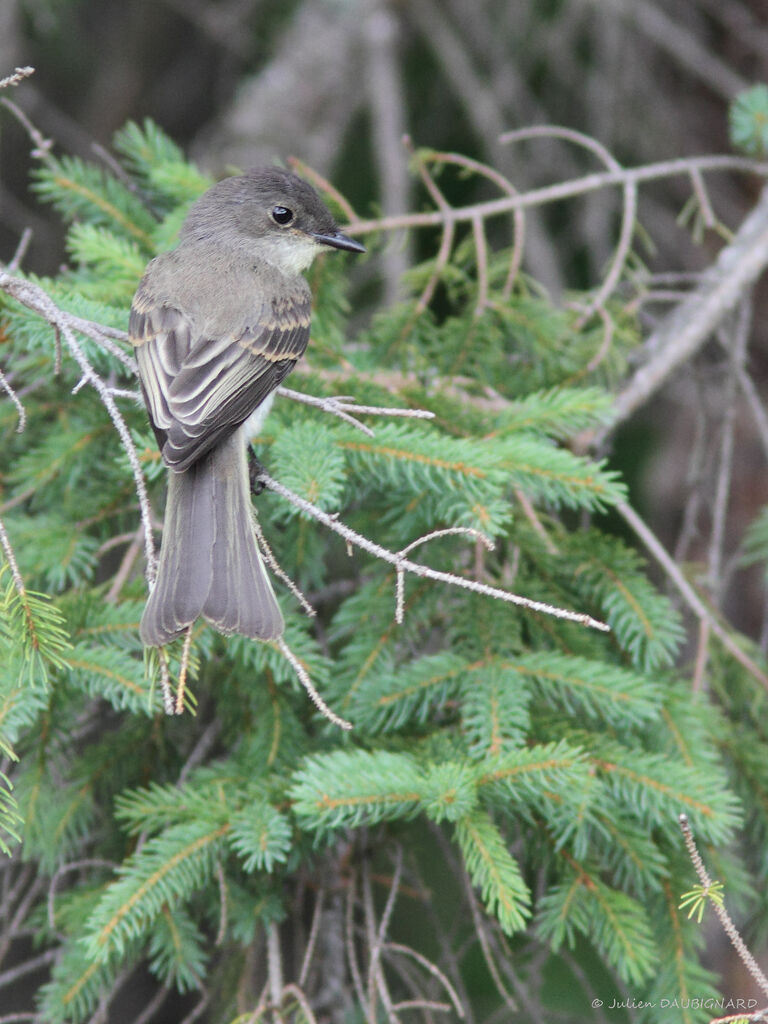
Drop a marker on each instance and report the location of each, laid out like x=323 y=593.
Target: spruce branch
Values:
x=403 y=565
x=719 y=907
x=37 y=299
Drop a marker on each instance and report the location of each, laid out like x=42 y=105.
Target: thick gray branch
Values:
x=681 y=334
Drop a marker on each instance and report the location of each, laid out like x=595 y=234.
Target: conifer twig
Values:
x=402 y=564
x=38 y=300
x=19 y=74
x=562 y=190
x=6 y=386
x=343 y=405
x=277 y=569
x=309 y=686
x=722 y=914
x=449 y=531
x=629 y=212
x=183 y=669
x=165 y=682
x=13 y=565
x=21 y=251
x=686 y=591
x=291 y=989
x=314 y=931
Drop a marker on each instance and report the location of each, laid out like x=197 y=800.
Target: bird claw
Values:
x=255 y=469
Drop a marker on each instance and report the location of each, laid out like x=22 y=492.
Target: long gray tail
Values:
x=210 y=564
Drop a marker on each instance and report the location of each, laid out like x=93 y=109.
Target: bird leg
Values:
x=255 y=468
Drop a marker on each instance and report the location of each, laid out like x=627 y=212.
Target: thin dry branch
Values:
x=35 y=298
x=308 y=685
x=6 y=386
x=722 y=914
x=686 y=591
x=19 y=74
x=403 y=564
x=682 y=333
x=343 y=405
x=562 y=190
x=629 y=210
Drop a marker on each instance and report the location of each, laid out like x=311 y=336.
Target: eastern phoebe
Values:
x=217 y=324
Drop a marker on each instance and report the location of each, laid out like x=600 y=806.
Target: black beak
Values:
x=339 y=241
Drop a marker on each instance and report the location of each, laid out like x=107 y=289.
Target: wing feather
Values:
x=198 y=388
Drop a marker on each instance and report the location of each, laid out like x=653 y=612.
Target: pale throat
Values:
x=290 y=253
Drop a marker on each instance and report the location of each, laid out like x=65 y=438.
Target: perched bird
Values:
x=217 y=323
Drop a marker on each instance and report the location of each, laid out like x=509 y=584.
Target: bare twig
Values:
x=36 y=299
x=308 y=685
x=314 y=931
x=277 y=569
x=446 y=240
x=722 y=493
x=6 y=387
x=42 y=148
x=183 y=669
x=165 y=682
x=722 y=914
x=296 y=993
x=126 y=564
x=21 y=251
x=450 y=531
x=388 y=125
x=274 y=965
x=481 y=262
x=19 y=74
x=629 y=205
x=77 y=865
x=691 y=322
x=377 y=983
x=405 y=565
x=562 y=190
x=354 y=966
x=686 y=591
x=343 y=405
x=13 y=565
x=433 y=969
x=504 y=185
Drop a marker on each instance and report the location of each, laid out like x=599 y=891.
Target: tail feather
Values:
x=210 y=564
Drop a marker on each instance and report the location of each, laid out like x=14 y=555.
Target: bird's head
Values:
x=267 y=213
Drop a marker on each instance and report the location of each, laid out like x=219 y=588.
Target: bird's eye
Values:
x=282 y=215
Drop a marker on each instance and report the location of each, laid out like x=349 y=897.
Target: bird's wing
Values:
x=199 y=389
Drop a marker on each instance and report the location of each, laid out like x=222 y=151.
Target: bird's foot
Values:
x=255 y=468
